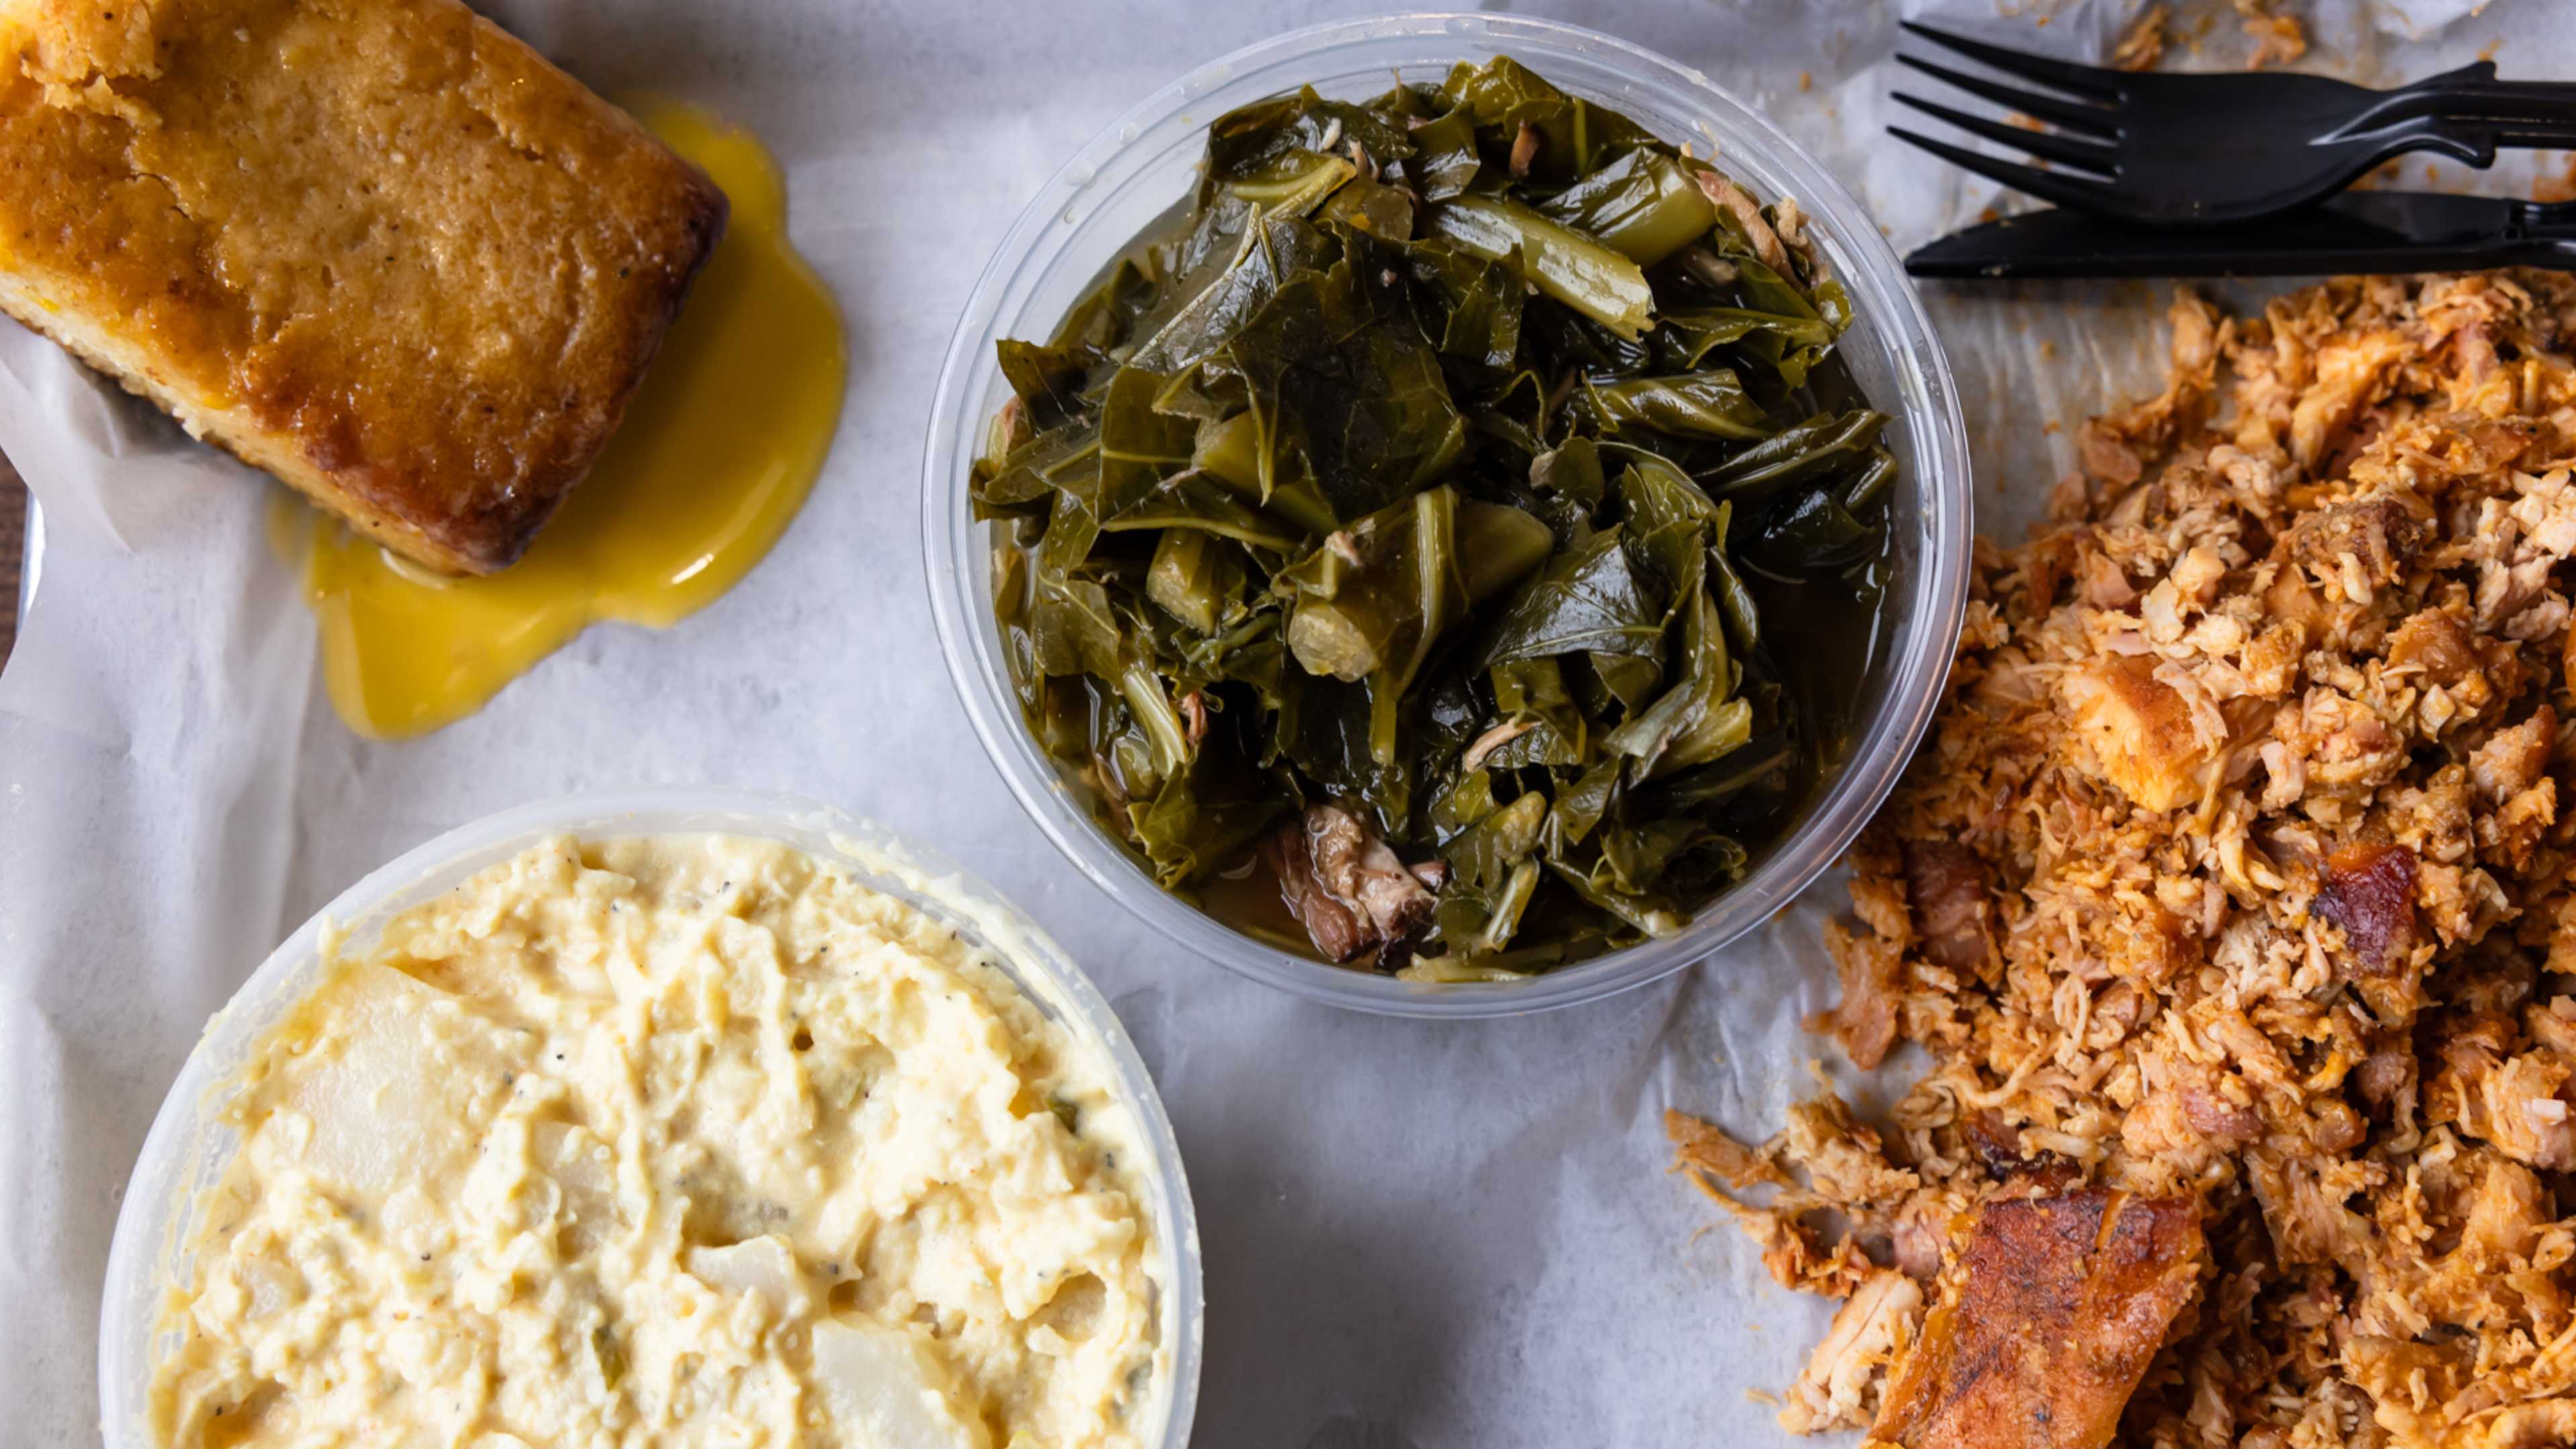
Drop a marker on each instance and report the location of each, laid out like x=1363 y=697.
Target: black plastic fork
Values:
x=2182 y=149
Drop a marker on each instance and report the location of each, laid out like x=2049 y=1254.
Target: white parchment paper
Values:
x=1416 y=1235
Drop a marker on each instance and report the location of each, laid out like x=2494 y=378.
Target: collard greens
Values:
x=1452 y=545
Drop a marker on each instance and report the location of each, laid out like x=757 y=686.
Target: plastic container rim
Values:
x=151 y=1218
x=1924 y=612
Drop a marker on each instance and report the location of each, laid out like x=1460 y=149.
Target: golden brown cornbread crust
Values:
x=377 y=247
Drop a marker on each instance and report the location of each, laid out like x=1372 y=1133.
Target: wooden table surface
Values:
x=13 y=545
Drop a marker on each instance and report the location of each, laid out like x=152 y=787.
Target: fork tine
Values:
x=2072 y=191
x=2064 y=150
x=2083 y=80
x=2074 y=115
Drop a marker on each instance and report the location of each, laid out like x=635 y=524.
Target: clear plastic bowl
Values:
x=1131 y=174
x=188 y=1146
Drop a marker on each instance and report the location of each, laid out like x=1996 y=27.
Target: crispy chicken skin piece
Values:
x=2369 y=891
x=2141 y=731
x=382 y=250
x=1945 y=885
x=2045 y=1323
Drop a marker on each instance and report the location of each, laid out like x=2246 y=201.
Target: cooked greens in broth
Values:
x=1453 y=547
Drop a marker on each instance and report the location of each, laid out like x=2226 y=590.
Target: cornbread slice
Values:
x=377 y=247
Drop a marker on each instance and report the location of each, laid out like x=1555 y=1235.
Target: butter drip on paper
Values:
x=717 y=452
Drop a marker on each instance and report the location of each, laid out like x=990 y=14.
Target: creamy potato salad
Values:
x=677 y=1141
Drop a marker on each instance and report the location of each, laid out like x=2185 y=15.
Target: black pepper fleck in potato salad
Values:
x=1453 y=546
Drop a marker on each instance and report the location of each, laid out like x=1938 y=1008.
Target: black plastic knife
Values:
x=2358 y=231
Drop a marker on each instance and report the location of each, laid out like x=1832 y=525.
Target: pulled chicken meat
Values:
x=2232 y=906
